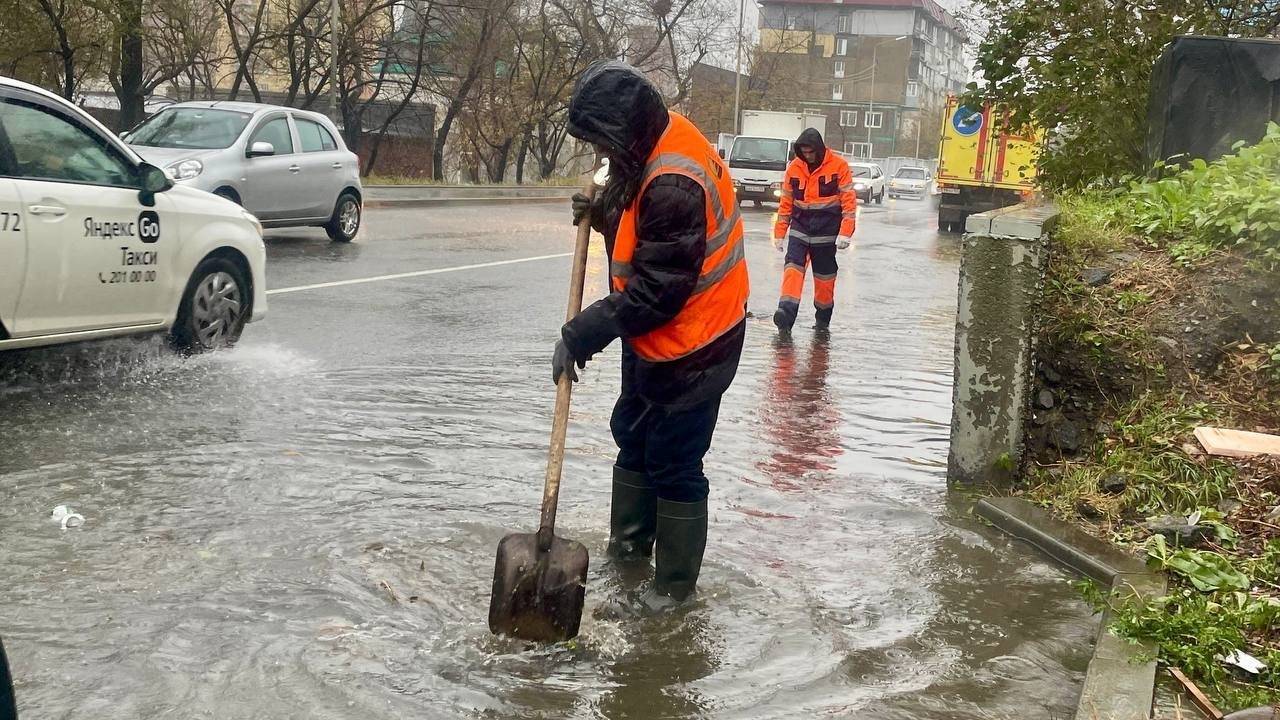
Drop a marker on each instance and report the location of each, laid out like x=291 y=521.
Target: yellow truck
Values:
x=983 y=163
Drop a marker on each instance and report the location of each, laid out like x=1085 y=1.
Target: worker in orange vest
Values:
x=678 y=293
x=820 y=208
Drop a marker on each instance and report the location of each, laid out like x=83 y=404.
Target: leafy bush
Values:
x=1233 y=201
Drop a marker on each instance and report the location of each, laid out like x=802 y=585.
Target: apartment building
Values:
x=879 y=69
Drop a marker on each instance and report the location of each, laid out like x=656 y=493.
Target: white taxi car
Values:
x=95 y=242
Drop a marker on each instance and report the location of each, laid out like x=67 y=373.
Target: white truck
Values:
x=758 y=157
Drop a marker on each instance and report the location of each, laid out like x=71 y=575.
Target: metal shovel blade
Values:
x=538 y=596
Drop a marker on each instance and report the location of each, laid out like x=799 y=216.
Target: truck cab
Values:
x=757 y=165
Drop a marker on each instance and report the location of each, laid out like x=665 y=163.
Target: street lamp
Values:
x=737 y=69
x=334 y=111
x=871 y=101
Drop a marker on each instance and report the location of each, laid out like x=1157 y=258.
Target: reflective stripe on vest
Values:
x=672 y=163
x=718 y=301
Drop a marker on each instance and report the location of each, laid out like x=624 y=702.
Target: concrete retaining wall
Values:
x=1001 y=276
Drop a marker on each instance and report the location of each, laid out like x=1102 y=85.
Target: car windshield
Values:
x=911 y=174
x=191 y=128
x=860 y=171
x=760 y=150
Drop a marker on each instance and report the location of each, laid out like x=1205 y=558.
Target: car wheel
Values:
x=345 y=222
x=880 y=198
x=214 y=307
x=228 y=194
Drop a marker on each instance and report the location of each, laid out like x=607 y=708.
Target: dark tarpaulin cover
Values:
x=1208 y=93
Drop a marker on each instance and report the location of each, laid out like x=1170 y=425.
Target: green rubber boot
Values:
x=632 y=516
x=682 y=539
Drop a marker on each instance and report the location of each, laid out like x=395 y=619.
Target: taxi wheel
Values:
x=214 y=307
x=345 y=222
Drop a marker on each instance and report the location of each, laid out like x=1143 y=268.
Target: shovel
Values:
x=539 y=580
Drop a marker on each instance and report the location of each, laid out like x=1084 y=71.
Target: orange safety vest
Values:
x=718 y=302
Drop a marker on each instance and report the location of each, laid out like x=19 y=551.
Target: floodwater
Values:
x=305 y=526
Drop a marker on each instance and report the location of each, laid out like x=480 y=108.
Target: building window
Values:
x=873 y=119
x=842 y=24
x=913 y=89
x=848 y=118
x=858 y=150
x=839 y=69
x=791 y=23
x=837 y=92
x=842 y=47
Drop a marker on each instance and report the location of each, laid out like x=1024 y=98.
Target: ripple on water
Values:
x=272 y=534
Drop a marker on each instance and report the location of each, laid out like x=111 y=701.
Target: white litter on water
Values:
x=68 y=517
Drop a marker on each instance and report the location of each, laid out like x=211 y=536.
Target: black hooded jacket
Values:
x=812 y=138
x=616 y=108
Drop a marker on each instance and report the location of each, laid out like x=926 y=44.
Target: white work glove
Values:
x=777 y=243
x=843 y=242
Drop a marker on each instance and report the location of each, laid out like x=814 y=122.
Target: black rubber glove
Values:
x=581 y=206
x=563 y=361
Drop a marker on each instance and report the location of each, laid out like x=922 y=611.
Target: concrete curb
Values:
x=1117 y=686
x=458 y=202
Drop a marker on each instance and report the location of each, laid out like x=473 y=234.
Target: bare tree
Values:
x=74 y=44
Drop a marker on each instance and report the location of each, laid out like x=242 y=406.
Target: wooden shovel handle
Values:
x=564 y=389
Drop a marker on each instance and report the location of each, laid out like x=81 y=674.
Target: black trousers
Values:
x=8 y=707
x=666 y=444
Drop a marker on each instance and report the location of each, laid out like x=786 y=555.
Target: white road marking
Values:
x=417 y=273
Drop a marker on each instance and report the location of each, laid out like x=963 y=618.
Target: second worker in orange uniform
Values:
x=816 y=217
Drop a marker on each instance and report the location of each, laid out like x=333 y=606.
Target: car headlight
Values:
x=859 y=186
x=184 y=170
x=253 y=219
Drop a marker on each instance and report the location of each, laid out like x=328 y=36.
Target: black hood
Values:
x=616 y=107
x=813 y=139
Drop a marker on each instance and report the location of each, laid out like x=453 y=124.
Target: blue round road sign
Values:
x=967 y=121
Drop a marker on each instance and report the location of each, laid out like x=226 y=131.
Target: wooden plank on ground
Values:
x=1237 y=443
x=1198 y=698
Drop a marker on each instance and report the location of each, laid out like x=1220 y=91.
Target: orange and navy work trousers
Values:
x=800 y=254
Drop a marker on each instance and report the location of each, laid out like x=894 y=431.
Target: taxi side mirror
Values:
x=722 y=153
x=153 y=180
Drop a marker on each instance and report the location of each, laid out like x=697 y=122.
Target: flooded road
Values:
x=305 y=526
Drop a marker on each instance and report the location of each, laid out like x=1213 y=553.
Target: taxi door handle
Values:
x=52 y=210
x=294 y=169
x=336 y=166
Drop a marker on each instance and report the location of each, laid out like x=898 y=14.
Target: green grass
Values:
x=1147 y=451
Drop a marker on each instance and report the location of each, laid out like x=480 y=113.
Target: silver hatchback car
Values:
x=288 y=167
